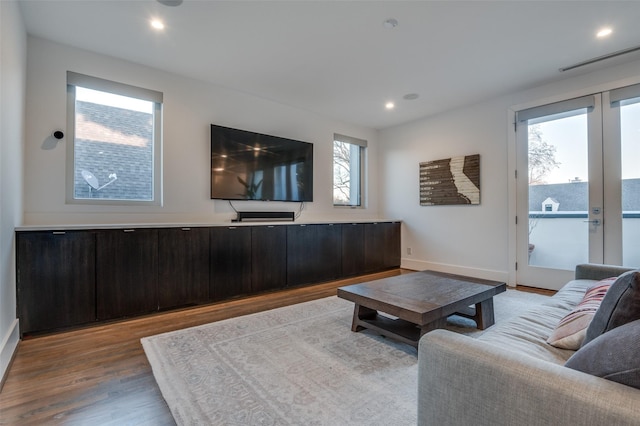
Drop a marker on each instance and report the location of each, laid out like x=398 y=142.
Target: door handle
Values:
x=596 y=222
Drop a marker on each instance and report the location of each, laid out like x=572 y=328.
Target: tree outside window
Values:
x=347 y=171
x=542 y=156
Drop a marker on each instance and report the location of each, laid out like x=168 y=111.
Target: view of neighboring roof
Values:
x=574 y=196
x=112 y=140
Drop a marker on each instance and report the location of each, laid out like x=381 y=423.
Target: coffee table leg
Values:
x=484 y=314
x=439 y=323
x=360 y=313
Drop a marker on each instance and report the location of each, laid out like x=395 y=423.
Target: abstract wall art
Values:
x=450 y=181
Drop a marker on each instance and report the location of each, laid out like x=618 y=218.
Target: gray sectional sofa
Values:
x=510 y=376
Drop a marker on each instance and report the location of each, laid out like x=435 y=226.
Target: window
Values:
x=114 y=153
x=348 y=170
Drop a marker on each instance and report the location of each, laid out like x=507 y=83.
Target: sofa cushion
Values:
x=612 y=355
x=527 y=333
x=570 y=331
x=620 y=306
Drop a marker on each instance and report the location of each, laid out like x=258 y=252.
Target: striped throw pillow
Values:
x=571 y=330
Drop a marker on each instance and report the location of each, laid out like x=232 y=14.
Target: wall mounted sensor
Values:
x=51 y=141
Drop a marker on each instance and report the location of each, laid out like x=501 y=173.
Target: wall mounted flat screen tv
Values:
x=252 y=166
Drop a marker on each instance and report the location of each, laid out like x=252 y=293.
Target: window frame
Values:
x=362 y=154
x=80 y=80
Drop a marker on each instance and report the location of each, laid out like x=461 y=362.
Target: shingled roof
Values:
x=573 y=197
x=114 y=140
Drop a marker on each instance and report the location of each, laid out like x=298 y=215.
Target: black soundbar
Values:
x=264 y=216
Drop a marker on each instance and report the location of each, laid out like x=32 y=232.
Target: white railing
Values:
x=560 y=239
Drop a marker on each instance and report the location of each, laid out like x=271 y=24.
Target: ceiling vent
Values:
x=601 y=58
x=171 y=3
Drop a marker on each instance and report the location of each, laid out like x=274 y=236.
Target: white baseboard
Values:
x=8 y=348
x=487 y=274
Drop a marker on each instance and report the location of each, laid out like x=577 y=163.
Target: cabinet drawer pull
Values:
x=128 y=230
x=302 y=226
x=270 y=226
x=186 y=229
x=232 y=227
x=58 y=233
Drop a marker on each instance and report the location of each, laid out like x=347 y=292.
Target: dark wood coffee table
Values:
x=420 y=302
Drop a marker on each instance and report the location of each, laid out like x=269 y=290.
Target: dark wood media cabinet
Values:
x=68 y=278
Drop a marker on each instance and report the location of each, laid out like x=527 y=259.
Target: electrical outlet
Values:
x=409 y=251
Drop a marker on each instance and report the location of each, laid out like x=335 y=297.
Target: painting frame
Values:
x=450 y=181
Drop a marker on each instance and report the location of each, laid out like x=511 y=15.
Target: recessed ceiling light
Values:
x=389 y=105
x=157 y=24
x=390 y=23
x=411 y=96
x=604 y=32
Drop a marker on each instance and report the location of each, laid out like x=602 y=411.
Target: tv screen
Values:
x=252 y=166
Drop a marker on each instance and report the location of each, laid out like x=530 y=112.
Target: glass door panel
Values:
x=558 y=173
x=630 y=155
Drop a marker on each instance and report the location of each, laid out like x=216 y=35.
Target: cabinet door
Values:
x=313 y=253
x=352 y=249
x=127 y=272
x=55 y=279
x=392 y=245
x=183 y=263
x=329 y=252
x=382 y=246
x=230 y=262
x=268 y=257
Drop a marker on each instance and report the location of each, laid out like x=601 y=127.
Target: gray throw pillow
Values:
x=613 y=355
x=620 y=306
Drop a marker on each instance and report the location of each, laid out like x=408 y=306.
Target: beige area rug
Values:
x=297 y=365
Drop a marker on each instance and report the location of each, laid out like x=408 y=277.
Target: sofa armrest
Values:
x=464 y=381
x=596 y=271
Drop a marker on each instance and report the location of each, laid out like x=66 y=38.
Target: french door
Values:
x=578 y=185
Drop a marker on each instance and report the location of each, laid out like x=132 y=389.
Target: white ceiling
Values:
x=337 y=59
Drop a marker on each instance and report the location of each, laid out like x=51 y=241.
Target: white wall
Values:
x=12 y=94
x=442 y=237
x=189 y=107
x=475 y=240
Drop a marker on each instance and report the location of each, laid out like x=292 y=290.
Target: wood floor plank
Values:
x=100 y=375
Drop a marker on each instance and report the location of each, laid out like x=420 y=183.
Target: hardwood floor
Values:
x=537 y=290
x=100 y=375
